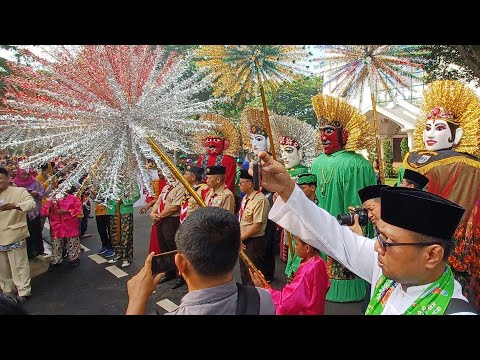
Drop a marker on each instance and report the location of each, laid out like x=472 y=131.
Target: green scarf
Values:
x=433 y=300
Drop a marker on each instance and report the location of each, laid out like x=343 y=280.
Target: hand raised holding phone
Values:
x=164 y=262
x=141 y=286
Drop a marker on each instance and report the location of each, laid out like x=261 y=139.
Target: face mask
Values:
x=214 y=145
x=330 y=139
x=259 y=143
x=290 y=156
x=437 y=135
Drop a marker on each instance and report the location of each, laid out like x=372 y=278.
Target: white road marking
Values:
x=167 y=305
x=97 y=258
x=116 y=271
x=84 y=248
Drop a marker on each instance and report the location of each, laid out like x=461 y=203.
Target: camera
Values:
x=349 y=219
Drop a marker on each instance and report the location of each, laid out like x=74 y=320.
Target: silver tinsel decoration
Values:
x=96 y=105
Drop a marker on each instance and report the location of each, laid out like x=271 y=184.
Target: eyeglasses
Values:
x=384 y=245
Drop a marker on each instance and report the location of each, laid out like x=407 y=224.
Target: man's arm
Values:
x=169 y=210
x=26 y=202
x=316 y=227
x=300 y=216
x=229 y=203
x=251 y=230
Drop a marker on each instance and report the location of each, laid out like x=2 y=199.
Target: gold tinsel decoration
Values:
x=336 y=111
x=305 y=134
x=223 y=127
x=251 y=117
x=456 y=98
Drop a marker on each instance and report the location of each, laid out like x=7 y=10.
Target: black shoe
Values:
x=167 y=278
x=53 y=266
x=75 y=263
x=180 y=282
x=23 y=299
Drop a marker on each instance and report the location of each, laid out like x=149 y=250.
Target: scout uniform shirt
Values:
x=222 y=198
x=189 y=204
x=171 y=195
x=254 y=209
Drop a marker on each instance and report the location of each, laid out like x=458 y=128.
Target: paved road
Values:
x=91 y=289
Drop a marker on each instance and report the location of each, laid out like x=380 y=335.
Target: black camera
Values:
x=349 y=219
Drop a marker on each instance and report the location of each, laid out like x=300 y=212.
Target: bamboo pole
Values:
x=265 y=110
x=199 y=200
x=377 y=139
x=173 y=168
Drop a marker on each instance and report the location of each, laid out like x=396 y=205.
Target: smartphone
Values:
x=256 y=174
x=164 y=262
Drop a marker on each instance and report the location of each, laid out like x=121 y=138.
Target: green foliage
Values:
x=290 y=99
x=294 y=98
x=445 y=62
x=388 y=158
x=390 y=181
x=404 y=147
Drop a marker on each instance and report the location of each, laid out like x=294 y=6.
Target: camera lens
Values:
x=346 y=219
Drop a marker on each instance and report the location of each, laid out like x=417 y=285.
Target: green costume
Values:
x=339 y=177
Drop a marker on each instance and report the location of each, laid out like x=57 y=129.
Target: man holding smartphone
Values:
x=208 y=245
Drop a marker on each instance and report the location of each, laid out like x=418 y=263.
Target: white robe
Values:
x=316 y=227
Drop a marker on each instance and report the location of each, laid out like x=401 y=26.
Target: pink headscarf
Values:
x=24 y=182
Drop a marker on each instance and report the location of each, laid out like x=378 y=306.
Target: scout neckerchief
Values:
x=186 y=202
x=244 y=205
x=214 y=194
x=433 y=300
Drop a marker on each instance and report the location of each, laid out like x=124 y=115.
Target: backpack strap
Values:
x=458 y=305
x=248 y=300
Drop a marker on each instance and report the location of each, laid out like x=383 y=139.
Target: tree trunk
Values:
x=471 y=57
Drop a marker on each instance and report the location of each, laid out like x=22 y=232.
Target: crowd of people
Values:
x=401 y=250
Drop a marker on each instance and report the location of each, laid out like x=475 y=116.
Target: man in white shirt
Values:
x=406 y=265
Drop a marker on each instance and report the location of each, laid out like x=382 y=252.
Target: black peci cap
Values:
x=416 y=178
x=198 y=171
x=245 y=175
x=370 y=192
x=215 y=170
x=420 y=211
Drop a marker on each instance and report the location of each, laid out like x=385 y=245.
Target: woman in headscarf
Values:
x=26 y=178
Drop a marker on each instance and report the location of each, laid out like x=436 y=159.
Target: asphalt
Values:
x=89 y=289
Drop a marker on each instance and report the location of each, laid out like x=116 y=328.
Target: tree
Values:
x=294 y=98
x=452 y=62
x=404 y=147
x=388 y=158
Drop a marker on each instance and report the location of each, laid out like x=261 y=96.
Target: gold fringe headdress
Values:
x=455 y=103
x=294 y=132
x=252 y=121
x=337 y=112
x=224 y=128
